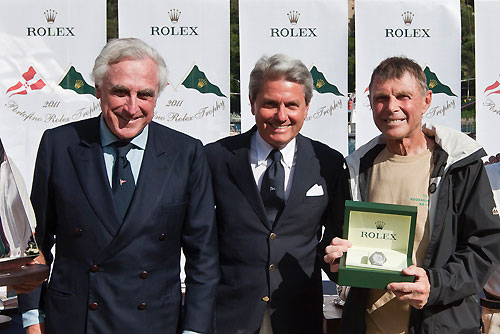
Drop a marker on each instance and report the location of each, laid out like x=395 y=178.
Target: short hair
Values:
x=395 y=68
x=117 y=50
x=278 y=67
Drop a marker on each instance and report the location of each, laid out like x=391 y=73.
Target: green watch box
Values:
x=382 y=244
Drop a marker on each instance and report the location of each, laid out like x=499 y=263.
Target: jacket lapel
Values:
x=153 y=176
x=88 y=160
x=241 y=172
x=305 y=175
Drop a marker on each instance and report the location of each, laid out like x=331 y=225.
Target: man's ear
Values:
x=428 y=100
x=252 y=109
x=97 y=92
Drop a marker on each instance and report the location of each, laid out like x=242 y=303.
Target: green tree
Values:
x=235 y=58
x=351 y=60
x=112 y=19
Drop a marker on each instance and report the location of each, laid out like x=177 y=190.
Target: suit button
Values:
x=94 y=306
x=144 y=274
x=94 y=268
x=162 y=237
x=272 y=267
x=265 y=299
x=273 y=236
x=142 y=306
x=78 y=232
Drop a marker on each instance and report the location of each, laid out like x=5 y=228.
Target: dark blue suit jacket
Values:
x=277 y=265
x=113 y=277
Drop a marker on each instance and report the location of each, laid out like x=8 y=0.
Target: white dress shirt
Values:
x=259 y=160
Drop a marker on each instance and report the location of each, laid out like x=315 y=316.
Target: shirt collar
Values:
x=108 y=138
x=263 y=149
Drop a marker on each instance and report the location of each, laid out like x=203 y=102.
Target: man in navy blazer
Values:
x=270 y=266
x=114 y=274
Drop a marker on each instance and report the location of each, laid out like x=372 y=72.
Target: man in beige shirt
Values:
x=440 y=171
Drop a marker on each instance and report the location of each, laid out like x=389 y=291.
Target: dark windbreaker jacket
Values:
x=464 y=246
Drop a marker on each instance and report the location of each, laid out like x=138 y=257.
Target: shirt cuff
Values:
x=33 y=317
x=189 y=332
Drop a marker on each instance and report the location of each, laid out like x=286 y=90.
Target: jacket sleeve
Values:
x=45 y=218
x=199 y=242
x=333 y=218
x=471 y=232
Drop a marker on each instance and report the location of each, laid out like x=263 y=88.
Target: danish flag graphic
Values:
x=31 y=82
x=493 y=88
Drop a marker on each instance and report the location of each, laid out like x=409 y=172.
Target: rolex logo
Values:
x=293 y=16
x=50 y=15
x=379 y=224
x=174 y=15
x=78 y=84
x=432 y=83
x=320 y=83
x=407 y=17
x=202 y=83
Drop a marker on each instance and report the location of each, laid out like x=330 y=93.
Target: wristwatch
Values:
x=377 y=259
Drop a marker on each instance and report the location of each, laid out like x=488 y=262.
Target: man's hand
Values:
x=36 y=329
x=416 y=293
x=27 y=287
x=335 y=251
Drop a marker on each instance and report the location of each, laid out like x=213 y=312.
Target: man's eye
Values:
x=119 y=92
x=145 y=96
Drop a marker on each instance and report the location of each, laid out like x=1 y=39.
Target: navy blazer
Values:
x=114 y=277
x=275 y=265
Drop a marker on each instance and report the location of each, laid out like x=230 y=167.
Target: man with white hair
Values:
x=119 y=196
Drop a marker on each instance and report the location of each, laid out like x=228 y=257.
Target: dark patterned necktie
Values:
x=123 y=181
x=272 y=189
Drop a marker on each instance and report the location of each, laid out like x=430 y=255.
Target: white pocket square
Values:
x=316 y=190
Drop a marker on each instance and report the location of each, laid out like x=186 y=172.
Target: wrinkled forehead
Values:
x=406 y=78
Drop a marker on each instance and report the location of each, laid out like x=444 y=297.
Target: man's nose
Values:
x=132 y=104
x=393 y=104
x=281 y=113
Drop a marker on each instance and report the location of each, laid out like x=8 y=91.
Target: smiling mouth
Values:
x=281 y=126
x=128 y=119
x=395 y=121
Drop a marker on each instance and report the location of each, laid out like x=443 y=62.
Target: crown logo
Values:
x=379 y=224
x=407 y=17
x=78 y=84
x=50 y=15
x=293 y=16
x=202 y=83
x=174 y=15
x=432 y=83
x=320 y=83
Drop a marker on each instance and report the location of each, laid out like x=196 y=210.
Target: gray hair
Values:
x=395 y=68
x=278 y=67
x=120 y=49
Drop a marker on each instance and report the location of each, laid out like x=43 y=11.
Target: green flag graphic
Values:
x=198 y=80
x=435 y=85
x=74 y=80
x=321 y=84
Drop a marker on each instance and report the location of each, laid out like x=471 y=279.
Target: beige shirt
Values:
x=398 y=179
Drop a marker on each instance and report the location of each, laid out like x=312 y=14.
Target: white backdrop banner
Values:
x=487 y=75
x=193 y=38
x=47 y=55
x=313 y=31
x=427 y=31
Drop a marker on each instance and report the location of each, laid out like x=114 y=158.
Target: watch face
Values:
x=377 y=259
